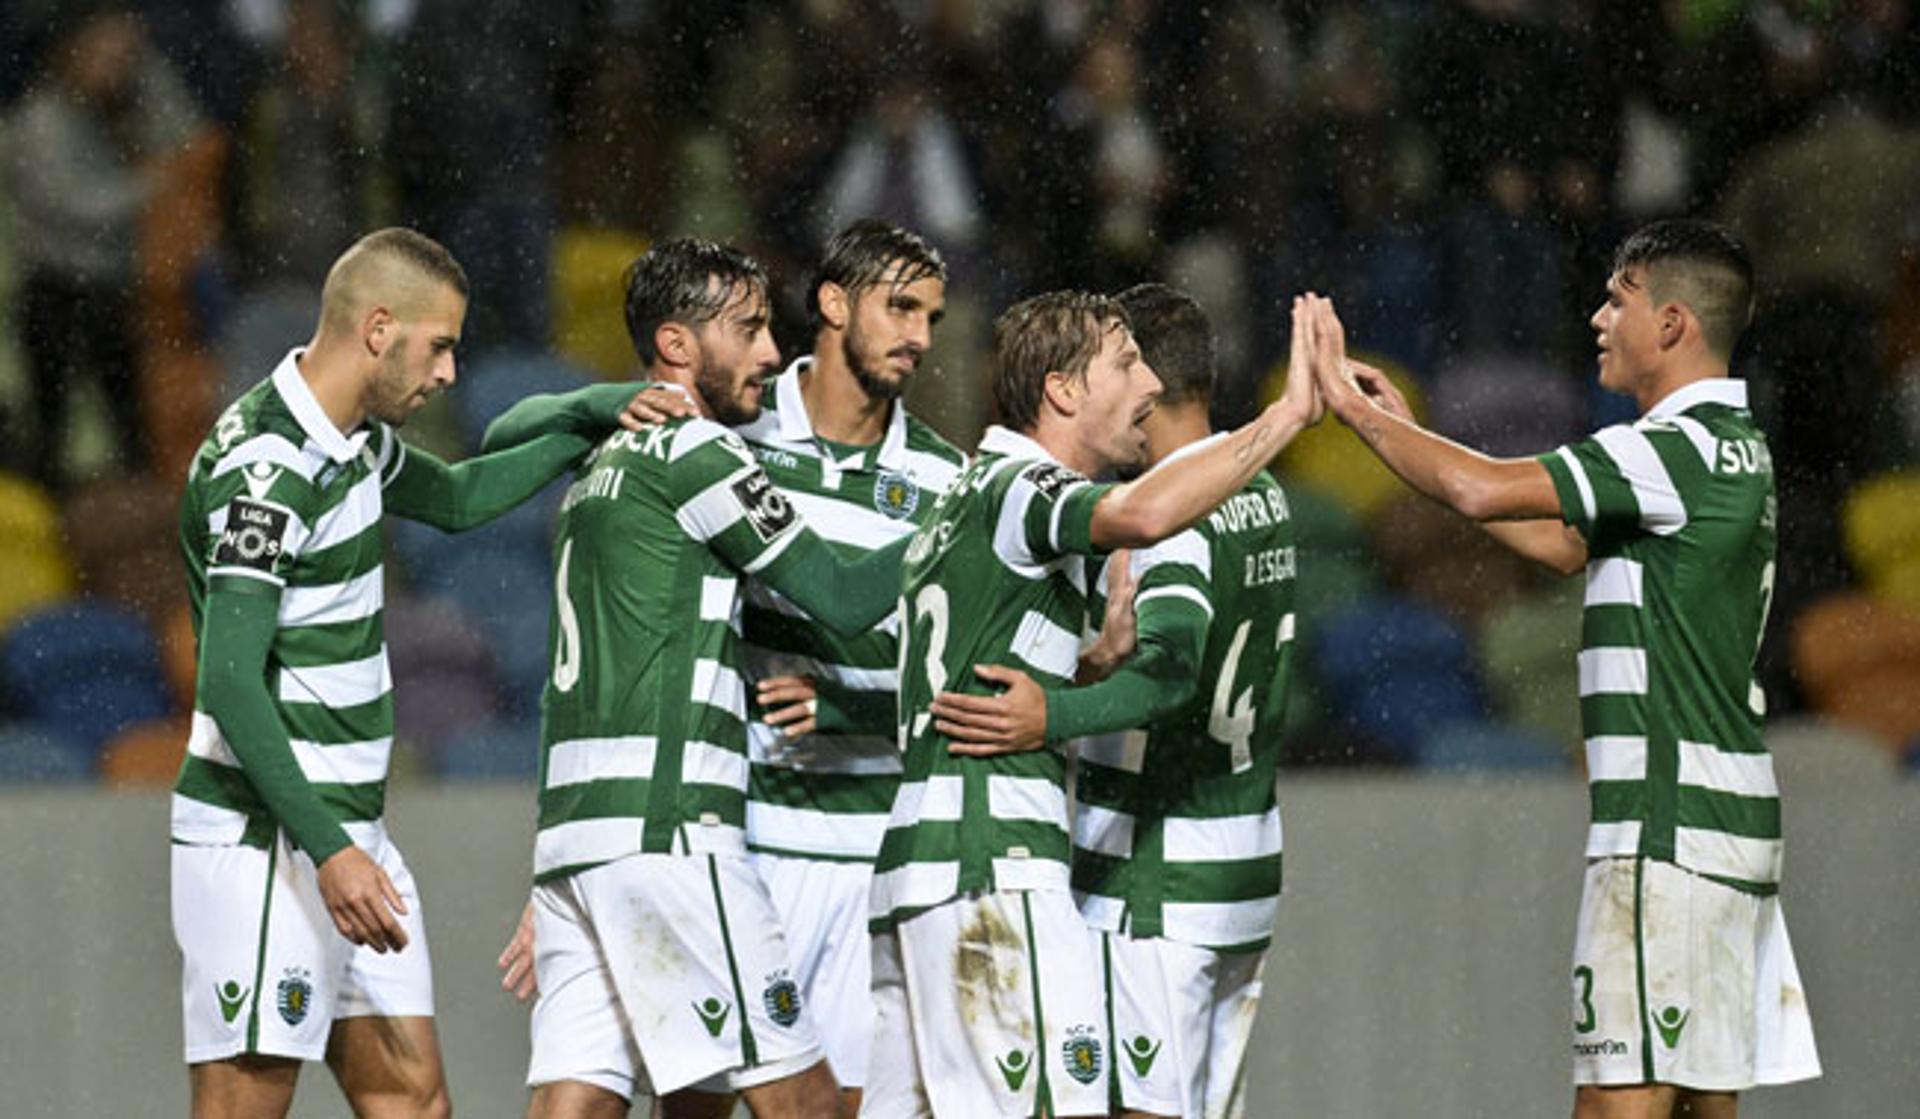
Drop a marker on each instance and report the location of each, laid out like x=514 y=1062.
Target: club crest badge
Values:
x=782 y=999
x=1082 y=1055
x=896 y=495
x=295 y=996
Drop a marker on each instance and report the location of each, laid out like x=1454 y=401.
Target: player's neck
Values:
x=338 y=382
x=684 y=378
x=1669 y=381
x=1172 y=427
x=838 y=408
x=1057 y=439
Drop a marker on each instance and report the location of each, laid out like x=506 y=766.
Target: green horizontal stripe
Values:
x=333 y=643
x=228 y=787
x=316 y=722
x=1255 y=879
x=939 y=841
x=1745 y=816
x=626 y=797
x=349 y=559
x=1172 y=789
x=811 y=856
x=1612 y=713
x=1613 y=625
x=1614 y=801
x=824 y=792
x=784 y=633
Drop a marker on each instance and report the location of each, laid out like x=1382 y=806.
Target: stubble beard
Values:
x=875 y=385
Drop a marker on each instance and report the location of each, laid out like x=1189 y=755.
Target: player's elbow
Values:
x=1125 y=518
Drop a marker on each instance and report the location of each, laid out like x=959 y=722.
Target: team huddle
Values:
x=881 y=779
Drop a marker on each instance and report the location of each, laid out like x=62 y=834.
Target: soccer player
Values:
x=985 y=977
x=659 y=958
x=838 y=441
x=1176 y=855
x=1684 y=987
x=297 y=920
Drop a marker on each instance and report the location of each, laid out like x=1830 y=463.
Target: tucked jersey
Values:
x=826 y=796
x=1679 y=517
x=997 y=576
x=1177 y=832
x=642 y=730
x=278 y=494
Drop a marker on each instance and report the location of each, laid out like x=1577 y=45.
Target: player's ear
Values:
x=378 y=328
x=1062 y=392
x=674 y=342
x=1673 y=324
x=836 y=308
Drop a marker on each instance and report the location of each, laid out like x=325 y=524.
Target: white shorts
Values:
x=1182 y=1018
x=662 y=972
x=1678 y=979
x=823 y=910
x=962 y=990
x=265 y=971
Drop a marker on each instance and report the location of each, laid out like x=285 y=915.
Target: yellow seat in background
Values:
x=35 y=569
x=589 y=313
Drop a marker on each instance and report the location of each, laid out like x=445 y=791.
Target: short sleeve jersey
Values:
x=278 y=495
x=997 y=576
x=642 y=730
x=1177 y=832
x=826 y=796
x=1679 y=516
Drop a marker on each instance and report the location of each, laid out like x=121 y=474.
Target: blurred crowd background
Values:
x=176 y=177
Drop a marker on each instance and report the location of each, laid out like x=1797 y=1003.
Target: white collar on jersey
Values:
x=1000 y=440
x=797 y=427
x=293 y=389
x=1712 y=390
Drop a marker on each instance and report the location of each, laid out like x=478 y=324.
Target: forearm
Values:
x=1166 y=500
x=471 y=493
x=1472 y=484
x=1155 y=681
x=589 y=412
x=1550 y=543
x=232 y=687
x=850 y=596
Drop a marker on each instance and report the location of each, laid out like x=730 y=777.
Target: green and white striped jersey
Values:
x=1176 y=830
x=1678 y=512
x=998 y=576
x=642 y=731
x=826 y=796
x=278 y=494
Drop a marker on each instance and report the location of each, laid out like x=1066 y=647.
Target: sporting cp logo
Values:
x=295 y=996
x=1082 y=1054
x=896 y=495
x=783 y=1001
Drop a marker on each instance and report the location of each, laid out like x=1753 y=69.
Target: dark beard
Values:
x=718 y=392
x=869 y=381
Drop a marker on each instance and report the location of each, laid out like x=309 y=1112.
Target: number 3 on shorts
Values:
x=1583 y=975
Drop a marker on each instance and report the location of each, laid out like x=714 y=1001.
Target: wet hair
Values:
x=1056 y=332
x=675 y=281
x=858 y=257
x=1175 y=338
x=393 y=266
x=1700 y=264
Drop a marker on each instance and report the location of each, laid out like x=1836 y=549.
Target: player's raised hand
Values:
x=789 y=704
x=1380 y=389
x=656 y=404
x=1326 y=342
x=1303 y=390
x=362 y=900
x=981 y=726
x=516 y=960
